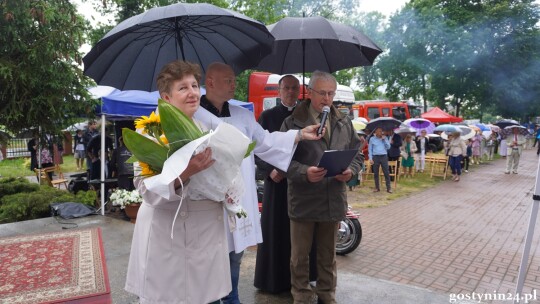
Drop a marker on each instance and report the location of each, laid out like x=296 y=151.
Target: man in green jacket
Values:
x=316 y=204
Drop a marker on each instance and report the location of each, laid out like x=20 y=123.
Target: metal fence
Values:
x=17 y=147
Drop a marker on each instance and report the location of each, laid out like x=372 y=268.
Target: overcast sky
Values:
x=386 y=7
x=86 y=9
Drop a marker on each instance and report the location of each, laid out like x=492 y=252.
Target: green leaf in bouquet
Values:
x=145 y=149
x=178 y=128
x=250 y=148
x=132 y=159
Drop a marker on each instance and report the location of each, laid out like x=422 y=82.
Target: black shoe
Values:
x=389 y=191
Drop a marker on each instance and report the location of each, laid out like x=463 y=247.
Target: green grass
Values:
x=19 y=167
x=363 y=196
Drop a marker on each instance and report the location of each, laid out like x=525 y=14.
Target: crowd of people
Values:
x=382 y=146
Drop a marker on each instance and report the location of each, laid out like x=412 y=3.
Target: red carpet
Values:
x=67 y=266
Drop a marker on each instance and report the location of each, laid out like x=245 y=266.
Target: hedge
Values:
x=21 y=200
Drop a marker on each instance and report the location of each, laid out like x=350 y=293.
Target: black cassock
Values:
x=272 y=268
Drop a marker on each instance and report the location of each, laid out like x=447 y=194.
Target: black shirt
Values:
x=210 y=108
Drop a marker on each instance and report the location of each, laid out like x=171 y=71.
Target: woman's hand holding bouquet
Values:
x=172 y=148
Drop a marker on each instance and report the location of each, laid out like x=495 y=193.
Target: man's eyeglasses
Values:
x=324 y=93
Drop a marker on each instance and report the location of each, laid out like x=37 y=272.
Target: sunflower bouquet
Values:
x=164 y=143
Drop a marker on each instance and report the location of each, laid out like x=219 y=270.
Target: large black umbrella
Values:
x=503 y=123
x=385 y=123
x=315 y=43
x=131 y=55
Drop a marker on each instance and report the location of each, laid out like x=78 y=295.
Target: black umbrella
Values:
x=315 y=43
x=131 y=55
x=385 y=123
x=503 y=123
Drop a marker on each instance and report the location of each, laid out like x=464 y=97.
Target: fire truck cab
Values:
x=371 y=109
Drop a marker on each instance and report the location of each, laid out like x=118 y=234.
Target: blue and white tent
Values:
x=117 y=105
x=126 y=105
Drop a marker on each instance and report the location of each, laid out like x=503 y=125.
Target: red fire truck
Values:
x=371 y=109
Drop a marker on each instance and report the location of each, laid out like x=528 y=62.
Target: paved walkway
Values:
x=455 y=237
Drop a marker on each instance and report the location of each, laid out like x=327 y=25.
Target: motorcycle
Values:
x=349 y=233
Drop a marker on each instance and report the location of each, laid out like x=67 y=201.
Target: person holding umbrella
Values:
x=457 y=149
x=395 y=147
x=515 y=142
x=317 y=203
x=407 y=151
x=378 y=157
x=422 y=143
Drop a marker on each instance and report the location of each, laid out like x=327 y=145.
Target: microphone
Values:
x=325 y=111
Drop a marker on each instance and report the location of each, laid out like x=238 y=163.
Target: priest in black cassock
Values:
x=272 y=268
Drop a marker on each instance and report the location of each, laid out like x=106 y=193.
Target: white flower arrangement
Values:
x=122 y=198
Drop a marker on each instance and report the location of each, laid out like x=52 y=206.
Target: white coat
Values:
x=192 y=268
x=275 y=148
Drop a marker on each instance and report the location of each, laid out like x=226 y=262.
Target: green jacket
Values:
x=325 y=200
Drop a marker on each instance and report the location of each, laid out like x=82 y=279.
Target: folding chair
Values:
x=393 y=167
x=46 y=179
x=439 y=166
x=367 y=172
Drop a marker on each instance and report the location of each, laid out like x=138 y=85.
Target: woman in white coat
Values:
x=192 y=267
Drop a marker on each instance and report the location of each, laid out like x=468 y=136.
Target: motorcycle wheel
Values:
x=349 y=236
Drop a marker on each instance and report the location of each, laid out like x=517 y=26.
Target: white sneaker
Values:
x=467 y=171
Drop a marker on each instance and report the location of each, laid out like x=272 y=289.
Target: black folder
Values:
x=336 y=161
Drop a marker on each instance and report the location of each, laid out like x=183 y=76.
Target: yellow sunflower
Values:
x=146 y=170
x=146 y=121
x=164 y=139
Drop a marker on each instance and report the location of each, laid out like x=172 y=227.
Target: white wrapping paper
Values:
x=220 y=181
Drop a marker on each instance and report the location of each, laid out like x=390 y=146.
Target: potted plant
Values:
x=129 y=201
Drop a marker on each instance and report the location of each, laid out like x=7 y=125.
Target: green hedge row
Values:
x=21 y=200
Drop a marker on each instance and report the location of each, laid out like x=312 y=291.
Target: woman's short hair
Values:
x=456 y=134
x=176 y=70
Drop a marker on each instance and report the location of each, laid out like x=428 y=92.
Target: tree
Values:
x=367 y=78
x=41 y=82
x=467 y=54
x=413 y=43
